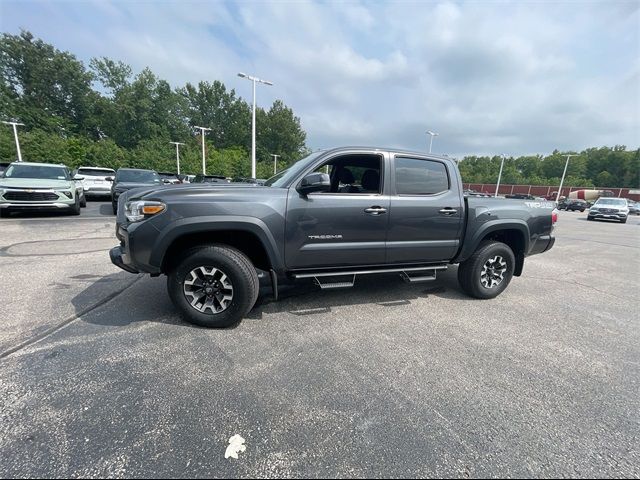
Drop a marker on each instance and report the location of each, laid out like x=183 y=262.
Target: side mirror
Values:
x=109 y=179
x=314 y=182
x=78 y=177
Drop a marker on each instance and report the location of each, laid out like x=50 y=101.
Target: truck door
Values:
x=425 y=222
x=346 y=226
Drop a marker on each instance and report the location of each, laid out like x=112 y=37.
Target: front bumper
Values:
x=120 y=259
x=36 y=206
x=609 y=216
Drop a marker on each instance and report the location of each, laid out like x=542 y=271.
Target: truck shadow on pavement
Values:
x=387 y=290
x=146 y=300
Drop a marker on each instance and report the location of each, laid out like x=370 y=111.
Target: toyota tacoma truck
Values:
x=332 y=216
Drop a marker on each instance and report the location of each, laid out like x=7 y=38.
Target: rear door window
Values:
x=420 y=177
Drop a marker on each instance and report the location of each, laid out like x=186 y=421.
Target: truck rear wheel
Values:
x=488 y=271
x=213 y=286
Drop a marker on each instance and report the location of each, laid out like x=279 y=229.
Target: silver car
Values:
x=610 y=209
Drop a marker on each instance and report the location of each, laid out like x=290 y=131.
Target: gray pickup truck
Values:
x=332 y=216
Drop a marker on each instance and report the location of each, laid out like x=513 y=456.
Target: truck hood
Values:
x=35 y=183
x=178 y=191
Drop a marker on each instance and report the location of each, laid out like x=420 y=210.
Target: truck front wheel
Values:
x=488 y=271
x=213 y=286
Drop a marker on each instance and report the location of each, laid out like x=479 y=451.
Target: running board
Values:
x=418 y=279
x=428 y=274
x=330 y=284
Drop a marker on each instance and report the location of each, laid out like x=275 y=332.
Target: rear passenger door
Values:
x=426 y=211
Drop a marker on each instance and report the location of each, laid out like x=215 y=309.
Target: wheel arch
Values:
x=249 y=235
x=513 y=234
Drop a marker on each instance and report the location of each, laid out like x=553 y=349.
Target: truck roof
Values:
x=383 y=149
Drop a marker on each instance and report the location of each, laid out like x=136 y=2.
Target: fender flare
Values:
x=215 y=223
x=471 y=243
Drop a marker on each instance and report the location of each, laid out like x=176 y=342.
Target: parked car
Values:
x=200 y=178
x=169 y=178
x=27 y=186
x=128 y=178
x=375 y=212
x=94 y=180
x=634 y=207
x=609 y=208
x=571 y=204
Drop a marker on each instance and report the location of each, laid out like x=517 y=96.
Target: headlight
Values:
x=68 y=194
x=593 y=210
x=141 y=209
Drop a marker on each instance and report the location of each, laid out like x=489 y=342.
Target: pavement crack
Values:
x=573 y=282
x=68 y=320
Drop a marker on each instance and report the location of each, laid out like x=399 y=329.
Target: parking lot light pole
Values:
x=253 y=119
x=15 y=135
x=275 y=162
x=433 y=134
x=177 y=144
x=563 y=175
x=202 y=132
x=499 y=177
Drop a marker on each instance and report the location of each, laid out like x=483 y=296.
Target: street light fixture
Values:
x=433 y=134
x=275 y=162
x=563 y=174
x=202 y=132
x=499 y=176
x=177 y=144
x=15 y=135
x=253 y=119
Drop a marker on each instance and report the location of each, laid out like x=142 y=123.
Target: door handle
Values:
x=375 y=210
x=448 y=211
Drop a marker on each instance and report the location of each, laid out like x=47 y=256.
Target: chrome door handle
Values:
x=448 y=211
x=375 y=210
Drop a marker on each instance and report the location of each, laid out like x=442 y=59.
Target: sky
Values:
x=490 y=77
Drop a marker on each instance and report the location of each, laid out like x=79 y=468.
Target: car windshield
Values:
x=618 y=202
x=94 y=172
x=44 y=172
x=138 y=176
x=284 y=177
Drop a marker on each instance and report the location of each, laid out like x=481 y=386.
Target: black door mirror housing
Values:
x=109 y=179
x=314 y=182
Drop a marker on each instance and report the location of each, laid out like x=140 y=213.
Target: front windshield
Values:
x=284 y=177
x=612 y=201
x=36 y=171
x=138 y=176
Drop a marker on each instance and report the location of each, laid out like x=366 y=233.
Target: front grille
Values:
x=30 y=196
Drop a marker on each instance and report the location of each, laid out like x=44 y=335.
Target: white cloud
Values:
x=490 y=77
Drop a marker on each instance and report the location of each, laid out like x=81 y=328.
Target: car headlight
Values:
x=593 y=210
x=141 y=209
x=68 y=194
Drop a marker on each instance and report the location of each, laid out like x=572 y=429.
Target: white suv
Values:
x=94 y=180
x=609 y=208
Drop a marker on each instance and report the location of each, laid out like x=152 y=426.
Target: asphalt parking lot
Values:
x=100 y=377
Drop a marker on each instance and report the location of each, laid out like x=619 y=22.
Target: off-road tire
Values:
x=235 y=265
x=470 y=271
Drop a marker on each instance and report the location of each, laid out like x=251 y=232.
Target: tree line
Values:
x=105 y=115
x=593 y=167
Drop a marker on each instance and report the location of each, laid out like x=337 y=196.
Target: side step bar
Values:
x=327 y=280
